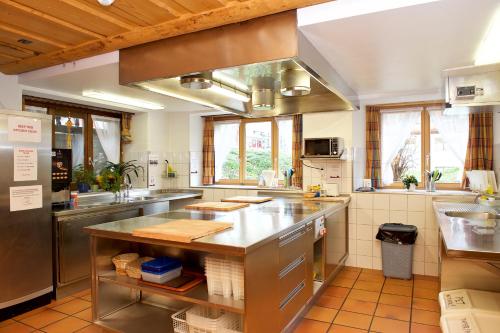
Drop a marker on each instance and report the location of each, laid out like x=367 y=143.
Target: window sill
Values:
x=423 y=192
x=247 y=187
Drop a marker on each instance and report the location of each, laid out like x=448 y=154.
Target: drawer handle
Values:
x=292 y=294
x=292 y=238
x=294 y=264
x=288 y=234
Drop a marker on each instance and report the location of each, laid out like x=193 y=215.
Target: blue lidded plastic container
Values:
x=160 y=265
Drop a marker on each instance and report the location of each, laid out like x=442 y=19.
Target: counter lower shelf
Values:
x=197 y=295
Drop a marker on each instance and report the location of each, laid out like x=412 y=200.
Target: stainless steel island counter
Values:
x=286 y=262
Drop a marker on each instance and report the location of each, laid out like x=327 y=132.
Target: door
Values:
x=335 y=241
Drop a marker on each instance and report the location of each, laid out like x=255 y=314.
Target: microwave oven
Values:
x=323 y=147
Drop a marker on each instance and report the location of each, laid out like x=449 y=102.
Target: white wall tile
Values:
x=354 y=200
x=398 y=202
x=416 y=203
x=377 y=248
x=352 y=213
x=352 y=231
x=419 y=267
x=208 y=195
x=380 y=217
x=218 y=194
x=364 y=261
x=430 y=221
x=352 y=246
x=431 y=254
x=377 y=263
x=230 y=193
x=364 y=232
x=417 y=219
x=364 y=247
x=431 y=237
x=418 y=253
x=381 y=201
x=431 y=269
x=364 y=216
x=346 y=169
x=420 y=237
x=351 y=261
x=398 y=216
x=364 y=200
x=346 y=185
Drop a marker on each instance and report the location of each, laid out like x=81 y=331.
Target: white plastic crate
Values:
x=468 y=299
x=224 y=277
x=179 y=321
x=470 y=322
x=237 y=280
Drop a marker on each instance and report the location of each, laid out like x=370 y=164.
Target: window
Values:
x=419 y=138
x=246 y=147
x=94 y=133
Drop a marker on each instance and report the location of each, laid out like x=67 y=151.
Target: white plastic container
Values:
x=199 y=319
x=468 y=299
x=237 y=280
x=161 y=278
x=470 y=322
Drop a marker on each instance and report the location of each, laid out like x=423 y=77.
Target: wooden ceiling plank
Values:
x=232 y=13
x=5 y=55
x=19 y=49
x=101 y=14
x=162 y=4
x=51 y=18
x=32 y=35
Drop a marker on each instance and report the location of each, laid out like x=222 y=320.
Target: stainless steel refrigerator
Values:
x=25 y=211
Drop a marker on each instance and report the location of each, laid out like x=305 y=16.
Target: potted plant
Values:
x=84 y=178
x=410 y=182
x=114 y=175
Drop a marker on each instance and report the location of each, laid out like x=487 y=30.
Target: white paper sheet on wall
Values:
x=25 y=197
x=23 y=129
x=25 y=164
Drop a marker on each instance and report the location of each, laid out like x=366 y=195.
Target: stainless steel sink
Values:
x=473 y=215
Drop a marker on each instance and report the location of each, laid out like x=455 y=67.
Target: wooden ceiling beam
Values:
x=19 y=49
x=101 y=13
x=232 y=13
x=32 y=35
x=50 y=18
x=5 y=55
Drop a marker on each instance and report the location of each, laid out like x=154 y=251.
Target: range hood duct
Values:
x=267 y=59
x=473 y=88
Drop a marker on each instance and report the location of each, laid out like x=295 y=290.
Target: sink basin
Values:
x=473 y=215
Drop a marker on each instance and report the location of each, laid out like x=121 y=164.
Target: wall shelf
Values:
x=197 y=295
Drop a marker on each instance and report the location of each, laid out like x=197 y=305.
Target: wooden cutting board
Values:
x=182 y=230
x=327 y=199
x=247 y=199
x=217 y=206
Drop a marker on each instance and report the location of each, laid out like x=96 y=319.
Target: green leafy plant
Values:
x=113 y=175
x=408 y=180
x=83 y=176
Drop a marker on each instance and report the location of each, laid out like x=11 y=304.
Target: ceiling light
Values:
x=230 y=81
x=263 y=93
x=295 y=82
x=234 y=94
x=489 y=49
x=197 y=81
x=140 y=103
x=105 y=2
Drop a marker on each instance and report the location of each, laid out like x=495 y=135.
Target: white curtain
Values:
x=453 y=130
x=396 y=129
x=77 y=146
x=108 y=132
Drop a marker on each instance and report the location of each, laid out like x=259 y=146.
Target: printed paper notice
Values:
x=25 y=164
x=25 y=197
x=23 y=129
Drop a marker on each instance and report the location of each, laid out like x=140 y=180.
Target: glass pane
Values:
x=449 y=135
x=285 y=128
x=258 y=149
x=76 y=141
x=106 y=141
x=401 y=145
x=227 y=150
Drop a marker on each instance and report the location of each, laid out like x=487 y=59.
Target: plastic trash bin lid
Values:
x=161 y=265
x=397 y=233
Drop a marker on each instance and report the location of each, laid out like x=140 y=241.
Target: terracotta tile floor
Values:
x=363 y=300
x=68 y=315
x=358 y=300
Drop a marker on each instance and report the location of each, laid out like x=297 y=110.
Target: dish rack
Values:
x=225 y=277
x=199 y=319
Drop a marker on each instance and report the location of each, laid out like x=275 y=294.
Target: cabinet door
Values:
x=73 y=243
x=335 y=241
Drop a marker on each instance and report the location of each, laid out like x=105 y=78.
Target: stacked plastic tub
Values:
x=469 y=311
x=199 y=319
x=161 y=270
x=225 y=277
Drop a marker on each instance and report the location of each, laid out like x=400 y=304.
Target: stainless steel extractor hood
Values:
x=473 y=88
x=256 y=68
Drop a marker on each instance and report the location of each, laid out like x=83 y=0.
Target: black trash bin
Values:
x=397 y=249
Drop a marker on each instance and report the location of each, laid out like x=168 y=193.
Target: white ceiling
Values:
x=66 y=82
x=403 y=50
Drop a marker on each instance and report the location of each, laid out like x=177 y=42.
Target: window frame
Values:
x=242 y=146
x=65 y=109
x=425 y=131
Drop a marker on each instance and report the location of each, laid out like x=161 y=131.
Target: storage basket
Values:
x=199 y=319
x=122 y=260
x=237 y=280
x=218 y=272
x=133 y=268
x=179 y=321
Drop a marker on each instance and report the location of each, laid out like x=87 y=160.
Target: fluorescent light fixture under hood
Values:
x=221 y=90
x=124 y=100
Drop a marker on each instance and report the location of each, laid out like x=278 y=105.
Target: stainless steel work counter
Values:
x=103 y=202
x=252 y=226
x=468 y=237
